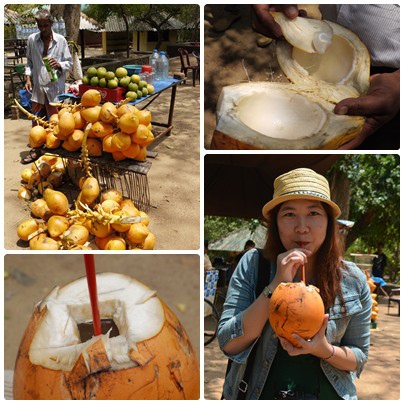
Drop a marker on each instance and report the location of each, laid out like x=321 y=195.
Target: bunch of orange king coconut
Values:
x=103 y=220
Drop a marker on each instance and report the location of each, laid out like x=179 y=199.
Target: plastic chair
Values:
x=186 y=65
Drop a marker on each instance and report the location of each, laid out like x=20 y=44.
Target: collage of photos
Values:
x=213 y=194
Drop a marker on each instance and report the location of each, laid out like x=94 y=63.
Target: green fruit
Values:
x=86 y=80
x=135 y=78
x=150 y=88
x=142 y=84
x=91 y=72
x=121 y=72
x=133 y=87
x=101 y=72
x=110 y=75
x=94 y=81
x=124 y=81
x=132 y=95
x=113 y=83
x=145 y=91
x=139 y=94
x=102 y=82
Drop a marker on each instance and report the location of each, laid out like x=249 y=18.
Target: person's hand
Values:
x=317 y=346
x=28 y=85
x=263 y=22
x=54 y=64
x=287 y=265
x=379 y=106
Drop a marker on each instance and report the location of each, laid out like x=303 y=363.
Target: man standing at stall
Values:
x=48 y=61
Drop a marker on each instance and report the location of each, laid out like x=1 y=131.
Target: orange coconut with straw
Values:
x=144 y=353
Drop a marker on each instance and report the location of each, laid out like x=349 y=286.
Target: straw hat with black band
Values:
x=302 y=183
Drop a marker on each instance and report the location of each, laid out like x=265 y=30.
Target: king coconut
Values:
x=324 y=63
x=144 y=355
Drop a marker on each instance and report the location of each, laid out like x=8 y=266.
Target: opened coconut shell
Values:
x=299 y=114
x=151 y=358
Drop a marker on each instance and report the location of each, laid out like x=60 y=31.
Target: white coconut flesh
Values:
x=133 y=307
x=266 y=113
x=307 y=34
x=281 y=116
x=342 y=71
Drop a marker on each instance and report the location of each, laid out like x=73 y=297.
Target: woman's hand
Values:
x=287 y=265
x=379 y=106
x=317 y=346
x=263 y=22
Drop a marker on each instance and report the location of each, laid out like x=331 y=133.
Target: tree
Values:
x=370 y=185
x=216 y=227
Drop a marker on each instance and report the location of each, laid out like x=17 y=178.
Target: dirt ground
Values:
x=380 y=379
x=173 y=179
x=32 y=277
x=232 y=57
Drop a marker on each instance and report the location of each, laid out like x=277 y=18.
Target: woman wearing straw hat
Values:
x=301 y=231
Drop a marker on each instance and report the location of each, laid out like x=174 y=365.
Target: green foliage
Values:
x=374 y=205
x=216 y=227
x=375 y=186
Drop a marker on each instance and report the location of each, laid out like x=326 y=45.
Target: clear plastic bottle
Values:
x=160 y=67
x=62 y=26
x=153 y=58
x=56 y=26
x=18 y=31
x=166 y=67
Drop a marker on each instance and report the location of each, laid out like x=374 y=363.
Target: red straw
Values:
x=92 y=289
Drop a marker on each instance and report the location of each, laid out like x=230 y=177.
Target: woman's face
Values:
x=302 y=224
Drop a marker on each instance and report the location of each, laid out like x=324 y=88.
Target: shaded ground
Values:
x=380 y=379
x=32 y=277
x=232 y=57
x=174 y=177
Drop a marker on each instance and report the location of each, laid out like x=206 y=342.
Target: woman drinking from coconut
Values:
x=302 y=244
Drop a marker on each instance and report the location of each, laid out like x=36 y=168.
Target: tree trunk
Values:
x=71 y=16
x=363 y=222
x=340 y=192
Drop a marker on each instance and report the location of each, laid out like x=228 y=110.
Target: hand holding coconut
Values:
x=380 y=105
x=302 y=243
x=317 y=346
x=264 y=23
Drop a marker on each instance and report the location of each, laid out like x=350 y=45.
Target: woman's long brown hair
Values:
x=329 y=256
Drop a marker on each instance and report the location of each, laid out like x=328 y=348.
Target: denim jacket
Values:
x=347 y=326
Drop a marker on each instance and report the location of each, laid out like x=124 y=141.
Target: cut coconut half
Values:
x=307 y=34
x=298 y=115
x=341 y=72
x=149 y=357
x=282 y=116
